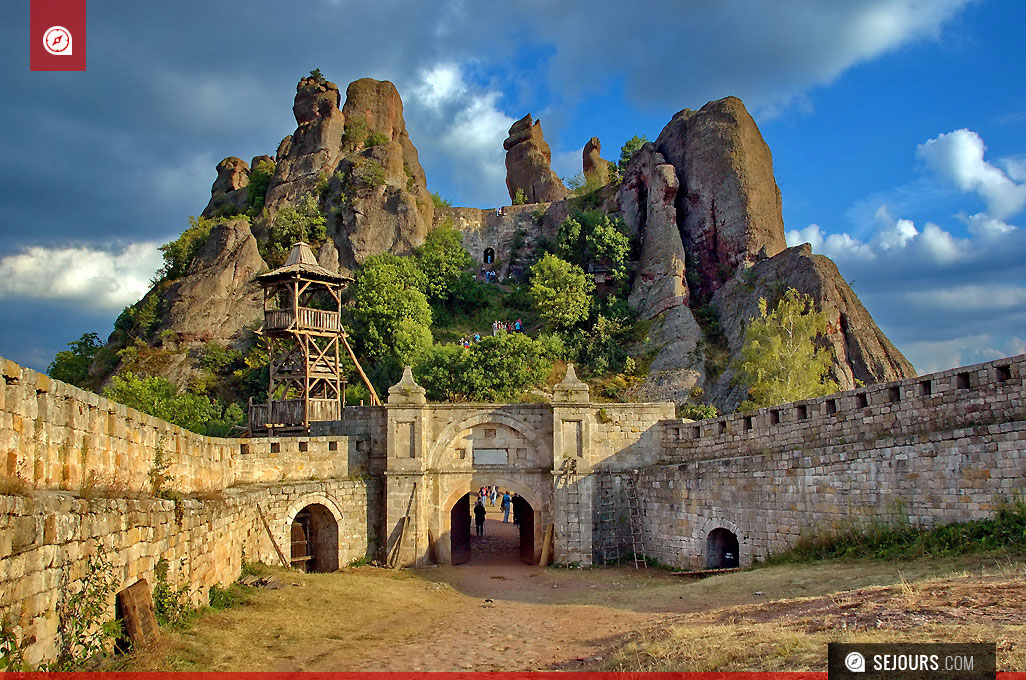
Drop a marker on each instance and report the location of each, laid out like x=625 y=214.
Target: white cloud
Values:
x=458 y=128
x=100 y=280
x=958 y=156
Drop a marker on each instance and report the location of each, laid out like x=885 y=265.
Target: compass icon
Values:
x=57 y=41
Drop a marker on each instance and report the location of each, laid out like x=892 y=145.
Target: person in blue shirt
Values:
x=506 y=503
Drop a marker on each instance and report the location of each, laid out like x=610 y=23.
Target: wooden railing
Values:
x=309 y=319
x=291 y=412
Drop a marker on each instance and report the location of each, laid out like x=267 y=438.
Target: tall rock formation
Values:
x=377 y=198
x=528 y=164
x=729 y=202
x=229 y=194
x=313 y=149
x=725 y=223
x=594 y=167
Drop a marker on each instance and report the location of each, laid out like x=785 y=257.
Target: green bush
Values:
x=226 y=597
x=160 y=398
x=376 y=139
x=519 y=197
x=355 y=133
x=590 y=237
x=83 y=629
x=170 y=604
x=694 y=411
x=440 y=202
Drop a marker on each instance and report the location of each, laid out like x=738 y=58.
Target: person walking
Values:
x=479 y=517
x=494 y=495
x=515 y=504
x=506 y=503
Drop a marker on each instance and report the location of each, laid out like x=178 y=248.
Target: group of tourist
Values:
x=489 y=495
x=467 y=341
x=508 y=326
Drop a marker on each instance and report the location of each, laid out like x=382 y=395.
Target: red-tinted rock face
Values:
x=528 y=164
x=729 y=203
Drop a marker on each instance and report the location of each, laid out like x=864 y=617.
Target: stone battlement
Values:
x=969 y=397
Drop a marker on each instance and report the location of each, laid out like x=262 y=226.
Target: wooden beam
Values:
x=359 y=369
x=274 y=543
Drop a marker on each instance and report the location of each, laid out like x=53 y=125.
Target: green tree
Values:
x=590 y=236
x=560 y=291
x=317 y=75
x=629 y=148
x=780 y=359
x=392 y=318
x=72 y=366
x=160 y=398
x=291 y=224
x=519 y=197
x=499 y=368
x=443 y=259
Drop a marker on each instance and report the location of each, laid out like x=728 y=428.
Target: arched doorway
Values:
x=721 y=549
x=314 y=534
x=502 y=542
x=489 y=255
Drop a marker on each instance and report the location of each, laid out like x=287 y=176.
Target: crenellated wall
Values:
x=949 y=446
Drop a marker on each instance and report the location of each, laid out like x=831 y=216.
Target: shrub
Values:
x=83 y=631
x=519 y=197
x=694 y=411
x=439 y=201
x=629 y=148
x=170 y=604
x=160 y=398
x=392 y=317
x=376 y=139
x=590 y=237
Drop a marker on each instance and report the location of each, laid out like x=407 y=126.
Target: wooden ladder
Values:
x=637 y=530
x=607 y=520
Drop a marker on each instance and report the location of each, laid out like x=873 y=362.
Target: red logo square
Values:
x=57 y=35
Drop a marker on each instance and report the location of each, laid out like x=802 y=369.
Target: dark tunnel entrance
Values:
x=721 y=549
x=314 y=535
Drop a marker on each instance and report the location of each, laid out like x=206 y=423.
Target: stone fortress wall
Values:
x=943 y=447
x=946 y=446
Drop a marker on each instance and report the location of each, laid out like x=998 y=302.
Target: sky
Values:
x=896 y=127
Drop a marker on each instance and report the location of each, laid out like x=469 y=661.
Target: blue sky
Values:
x=896 y=128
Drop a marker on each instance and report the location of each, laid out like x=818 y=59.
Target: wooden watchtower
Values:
x=303 y=328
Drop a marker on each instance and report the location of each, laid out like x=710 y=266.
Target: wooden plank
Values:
x=547 y=545
x=267 y=528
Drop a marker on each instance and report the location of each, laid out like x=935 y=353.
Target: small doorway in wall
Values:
x=489 y=256
x=721 y=549
x=314 y=535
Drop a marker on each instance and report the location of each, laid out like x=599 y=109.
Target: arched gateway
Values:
x=438 y=453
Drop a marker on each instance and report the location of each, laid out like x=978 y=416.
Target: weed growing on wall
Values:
x=83 y=629
x=170 y=604
x=12 y=653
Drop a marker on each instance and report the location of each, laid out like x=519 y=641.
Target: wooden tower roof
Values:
x=301 y=263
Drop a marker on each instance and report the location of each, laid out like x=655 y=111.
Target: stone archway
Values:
x=722 y=549
x=309 y=533
x=457 y=543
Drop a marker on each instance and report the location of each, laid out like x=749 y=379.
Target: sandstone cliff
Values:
x=594 y=167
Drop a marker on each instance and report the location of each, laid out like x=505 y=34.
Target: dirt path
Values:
x=497 y=614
